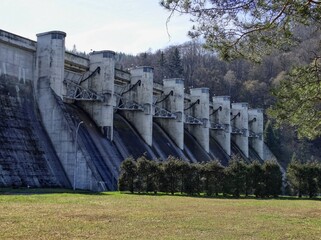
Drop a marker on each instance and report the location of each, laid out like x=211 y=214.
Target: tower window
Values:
x=57 y=36
x=147 y=69
x=108 y=55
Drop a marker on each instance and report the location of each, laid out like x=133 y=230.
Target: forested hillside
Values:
x=244 y=81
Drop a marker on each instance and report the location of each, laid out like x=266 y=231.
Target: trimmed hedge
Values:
x=174 y=175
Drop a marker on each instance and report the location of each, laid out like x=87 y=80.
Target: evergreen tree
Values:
x=192 y=179
x=128 y=174
x=295 y=176
x=271 y=137
x=257 y=179
x=162 y=65
x=248 y=180
x=311 y=178
x=304 y=177
x=175 y=68
x=184 y=173
x=319 y=176
x=272 y=178
x=213 y=177
x=145 y=59
x=144 y=182
x=235 y=177
x=172 y=171
x=156 y=172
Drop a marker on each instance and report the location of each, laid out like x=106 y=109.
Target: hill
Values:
x=243 y=80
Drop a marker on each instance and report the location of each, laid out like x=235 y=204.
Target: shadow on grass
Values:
x=318 y=198
x=221 y=196
x=35 y=191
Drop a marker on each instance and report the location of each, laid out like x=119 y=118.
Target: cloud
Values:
x=133 y=27
x=125 y=36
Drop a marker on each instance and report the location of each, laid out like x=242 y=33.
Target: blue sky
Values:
x=130 y=26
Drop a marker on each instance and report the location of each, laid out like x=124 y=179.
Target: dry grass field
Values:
x=124 y=216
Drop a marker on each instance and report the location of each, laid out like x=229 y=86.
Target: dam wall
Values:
x=90 y=116
x=27 y=157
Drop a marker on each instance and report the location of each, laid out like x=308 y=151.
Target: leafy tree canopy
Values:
x=253 y=28
x=299 y=100
x=246 y=28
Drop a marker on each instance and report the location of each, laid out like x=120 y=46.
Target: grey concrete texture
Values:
x=50 y=139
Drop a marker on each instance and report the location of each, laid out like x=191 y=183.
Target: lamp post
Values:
x=76 y=155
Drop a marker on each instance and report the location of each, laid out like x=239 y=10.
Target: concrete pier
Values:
x=256 y=131
x=62 y=130
x=141 y=93
x=174 y=89
x=51 y=56
x=200 y=111
x=240 y=126
x=220 y=120
x=50 y=75
x=103 y=62
x=49 y=82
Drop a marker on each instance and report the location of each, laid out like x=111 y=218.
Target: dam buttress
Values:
x=69 y=120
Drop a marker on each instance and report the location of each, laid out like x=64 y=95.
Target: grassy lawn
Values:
x=124 y=216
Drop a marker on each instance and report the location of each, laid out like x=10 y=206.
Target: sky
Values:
x=128 y=26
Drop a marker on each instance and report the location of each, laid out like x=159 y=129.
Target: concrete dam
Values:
x=69 y=120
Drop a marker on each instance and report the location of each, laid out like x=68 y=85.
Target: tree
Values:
x=246 y=28
x=162 y=64
x=272 y=137
x=303 y=177
x=255 y=92
x=235 y=177
x=295 y=176
x=145 y=58
x=299 y=100
x=319 y=176
x=251 y=29
x=175 y=68
x=257 y=180
x=231 y=80
x=157 y=173
x=172 y=172
x=213 y=174
x=128 y=174
x=192 y=179
x=145 y=181
x=311 y=177
x=272 y=178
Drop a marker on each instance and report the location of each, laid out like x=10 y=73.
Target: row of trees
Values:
x=304 y=178
x=211 y=178
x=282 y=36
x=245 y=81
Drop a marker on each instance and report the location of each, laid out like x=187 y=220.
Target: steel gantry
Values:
x=189 y=119
x=217 y=125
x=162 y=112
x=125 y=103
x=77 y=92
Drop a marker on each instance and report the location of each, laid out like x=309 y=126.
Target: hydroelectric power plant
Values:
x=69 y=121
